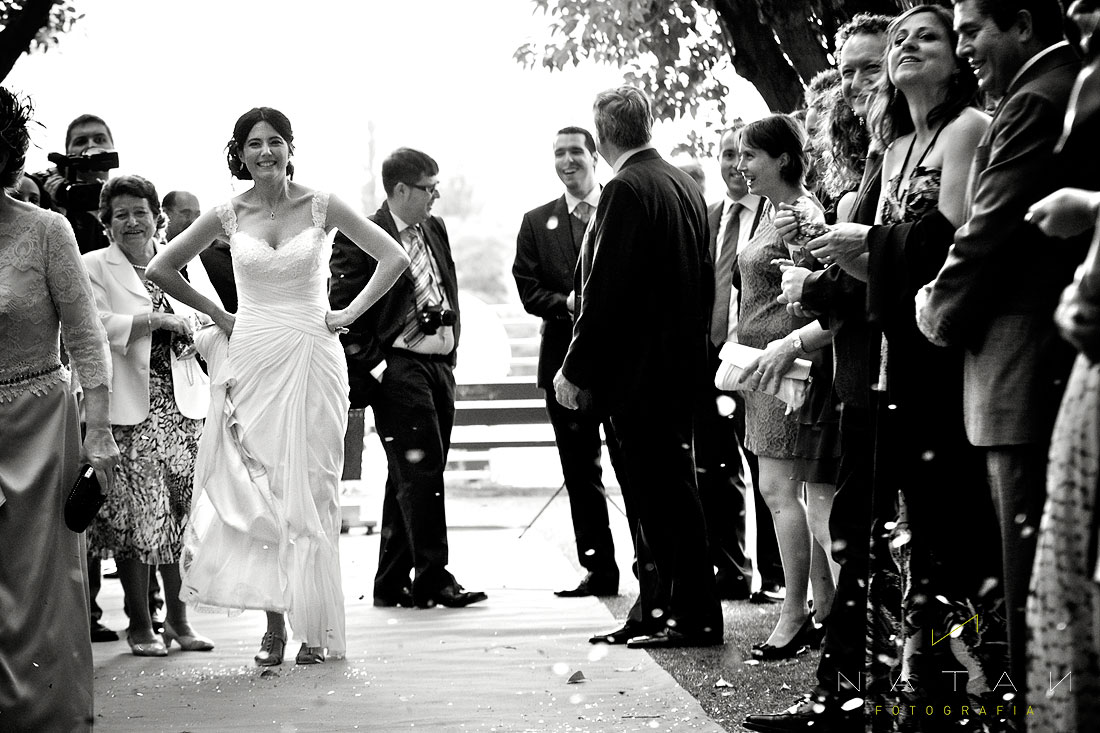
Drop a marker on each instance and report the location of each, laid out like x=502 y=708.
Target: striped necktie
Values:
x=583 y=211
x=421 y=268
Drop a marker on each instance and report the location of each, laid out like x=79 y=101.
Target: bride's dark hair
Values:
x=244 y=125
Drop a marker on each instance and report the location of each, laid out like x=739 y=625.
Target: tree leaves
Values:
x=677 y=49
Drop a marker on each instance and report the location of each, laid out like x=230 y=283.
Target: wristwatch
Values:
x=798 y=345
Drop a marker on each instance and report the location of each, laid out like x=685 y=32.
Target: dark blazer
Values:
x=218 y=261
x=997 y=290
x=546 y=260
x=369 y=337
x=641 y=335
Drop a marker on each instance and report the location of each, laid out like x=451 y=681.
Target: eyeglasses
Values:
x=430 y=190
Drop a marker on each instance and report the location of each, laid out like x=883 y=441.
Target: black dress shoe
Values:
x=761 y=598
x=807 y=715
x=668 y=638
x=403 y=598
x=619 y=636
x=102 y=633
x=592 y=585
x=452 y=596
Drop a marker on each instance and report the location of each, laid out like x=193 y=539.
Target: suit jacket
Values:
x=121 y=298
x=218 y=261
x=544 y=268
x=642 y=332
x=997 y=290
x=373 y=333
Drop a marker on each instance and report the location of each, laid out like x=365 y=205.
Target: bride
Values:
x=265 y=518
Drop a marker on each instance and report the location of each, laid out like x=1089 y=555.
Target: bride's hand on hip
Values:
x=337 y=321
x=225 y=321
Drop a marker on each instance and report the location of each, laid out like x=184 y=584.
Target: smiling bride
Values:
x=265 y=516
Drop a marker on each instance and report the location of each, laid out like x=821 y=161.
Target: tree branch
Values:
x=20 y=32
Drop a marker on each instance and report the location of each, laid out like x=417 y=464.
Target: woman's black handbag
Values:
x=84 y=500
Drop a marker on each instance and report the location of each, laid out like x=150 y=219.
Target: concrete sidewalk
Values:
x=519 y=662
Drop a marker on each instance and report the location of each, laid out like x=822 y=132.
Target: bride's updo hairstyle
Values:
x=15 y=115
x=244 y=125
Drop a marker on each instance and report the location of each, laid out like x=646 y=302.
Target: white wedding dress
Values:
x=265 y=520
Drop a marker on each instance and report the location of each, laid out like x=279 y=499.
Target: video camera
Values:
x=77 y=194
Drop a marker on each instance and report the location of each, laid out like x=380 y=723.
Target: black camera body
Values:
x=431 y=317
x=76 y=194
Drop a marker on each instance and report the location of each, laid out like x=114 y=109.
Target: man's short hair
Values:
x=861 y=24
x=623 y=117
x=406 y=165
x=589 y=141
x=83 y=120
x=1046 y=16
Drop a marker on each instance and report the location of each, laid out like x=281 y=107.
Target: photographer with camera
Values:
x=401 y=354
x=74 y=184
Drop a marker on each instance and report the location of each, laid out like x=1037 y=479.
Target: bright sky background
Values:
x=171 y=78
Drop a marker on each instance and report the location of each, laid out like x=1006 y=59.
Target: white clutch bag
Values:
x=735 y=357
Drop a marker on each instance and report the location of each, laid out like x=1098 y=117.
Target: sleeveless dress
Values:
x=916 y=585
x=769 y=431
x=265 y=520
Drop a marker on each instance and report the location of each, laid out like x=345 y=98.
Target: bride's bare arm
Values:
x=372 y=239
x=164 y=269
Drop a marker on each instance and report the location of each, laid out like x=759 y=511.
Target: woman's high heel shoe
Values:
x=802 y=640
x=188 y=642
x=154 y=648
x=271 y=650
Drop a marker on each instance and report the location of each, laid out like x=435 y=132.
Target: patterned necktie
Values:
x=583 y=211
x=723 y=275
x=421 y=268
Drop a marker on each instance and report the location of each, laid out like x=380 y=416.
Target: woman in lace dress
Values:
x=158 y=402
x=265 y=523
x=933 y=518
x=45 y=652
x=773 y=161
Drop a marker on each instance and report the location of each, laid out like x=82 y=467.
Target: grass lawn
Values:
x=728 y=683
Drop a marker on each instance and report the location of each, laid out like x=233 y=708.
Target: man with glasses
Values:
x=401 y=356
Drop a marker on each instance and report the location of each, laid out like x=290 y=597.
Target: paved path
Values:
x=502 y=666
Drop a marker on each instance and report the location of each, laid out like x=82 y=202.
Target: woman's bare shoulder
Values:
x=969 y=123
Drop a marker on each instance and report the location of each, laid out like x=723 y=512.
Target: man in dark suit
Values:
x=401 y=354
x=997 y=291
x=720 y=439
x=640 y=347
x=547 y=248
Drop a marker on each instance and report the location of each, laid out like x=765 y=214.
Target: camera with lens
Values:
x=77 y=194
x=433 y=316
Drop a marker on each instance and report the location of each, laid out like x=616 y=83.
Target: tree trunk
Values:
x=757 y=57
x=22 y=27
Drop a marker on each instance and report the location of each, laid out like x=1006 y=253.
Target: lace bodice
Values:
x=44 y=288
x=290 y=273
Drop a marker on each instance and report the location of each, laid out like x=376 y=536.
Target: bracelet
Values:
x=149 y=320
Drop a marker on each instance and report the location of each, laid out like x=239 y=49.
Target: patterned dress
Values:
x=143 y=519
x=1064 y=606
x=769 y=432
x=930 y=569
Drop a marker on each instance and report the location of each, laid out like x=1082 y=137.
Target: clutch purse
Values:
x=735 y=357
x=84 y=500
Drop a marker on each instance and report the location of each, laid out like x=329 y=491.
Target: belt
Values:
x=441 y=358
